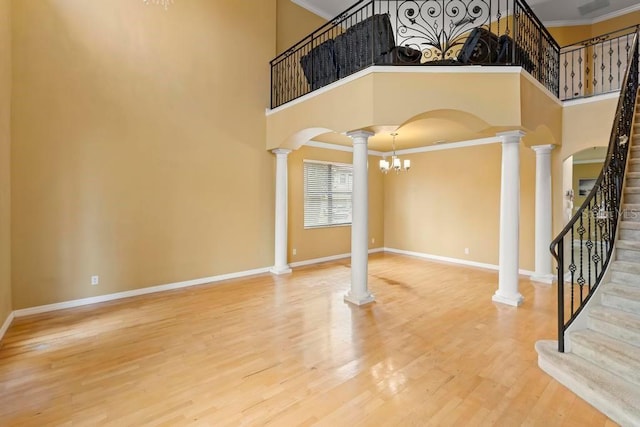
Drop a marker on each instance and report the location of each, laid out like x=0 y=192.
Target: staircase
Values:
x=603 y=362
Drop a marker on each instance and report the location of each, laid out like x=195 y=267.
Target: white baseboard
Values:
x=195 y=282
x=453 y=260
x=328 y=258
x=136 y=292
x=6 y=324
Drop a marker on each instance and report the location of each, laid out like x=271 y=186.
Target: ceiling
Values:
x=547 y=10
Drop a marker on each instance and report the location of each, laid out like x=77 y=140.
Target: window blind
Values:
x=327 y=194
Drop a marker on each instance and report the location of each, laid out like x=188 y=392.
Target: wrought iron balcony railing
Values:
x=583 y=249
x=596 y=65
x=417 y=33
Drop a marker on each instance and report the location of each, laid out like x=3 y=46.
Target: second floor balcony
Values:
x=422 y=33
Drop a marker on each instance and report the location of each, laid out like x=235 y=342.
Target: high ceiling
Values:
x=431 y=131
x=547 y=10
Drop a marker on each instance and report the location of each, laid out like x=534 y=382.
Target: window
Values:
x=327 y=194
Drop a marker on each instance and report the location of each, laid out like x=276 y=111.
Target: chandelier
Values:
x=395 y=163
x=163 y=3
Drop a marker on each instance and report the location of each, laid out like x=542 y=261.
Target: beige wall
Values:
x=138 y=144
x=451 y=201
x=584 y=125
x=572 y=34
x=328 y=241
x=5 y=163
x=294 y=23
x=582 y=171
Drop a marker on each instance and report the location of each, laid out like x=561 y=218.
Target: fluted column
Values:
x=543 y=273
x=282 y=176
x=508 y=291
x=359 y=292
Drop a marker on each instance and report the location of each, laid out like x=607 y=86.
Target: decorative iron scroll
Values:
x=439 y=28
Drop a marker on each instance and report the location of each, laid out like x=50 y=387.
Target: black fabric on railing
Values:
x=417 y=32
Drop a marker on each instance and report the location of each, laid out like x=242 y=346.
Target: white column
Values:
x=543 y=273
x=508 y=292
x=281 y=266
x=359 y=292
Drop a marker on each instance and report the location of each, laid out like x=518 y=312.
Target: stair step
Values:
x=625 y=278
x=630 y=225
x=616 y=356
x=628 y=244
x=613 y=396
x=615 y=323
x=622 y=297
x=631 y=211
x=626 y=267
x=631 y=194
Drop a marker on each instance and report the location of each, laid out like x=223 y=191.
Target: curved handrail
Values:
x=596 y=221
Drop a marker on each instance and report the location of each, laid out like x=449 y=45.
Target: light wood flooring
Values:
x=287 y=351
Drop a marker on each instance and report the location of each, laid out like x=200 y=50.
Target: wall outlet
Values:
x=373 y=240
x=466 y=251
x=95 y=280
x=295 y=251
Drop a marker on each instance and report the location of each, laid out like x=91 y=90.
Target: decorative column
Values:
x=543 y=273
x=508 y=292
x=281 y=266
x=359 y=292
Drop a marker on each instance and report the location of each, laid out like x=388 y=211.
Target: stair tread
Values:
x=622 y=291
x=616 y=349
x=633 y=174
x=628 y=244
x=626 y=266
x=616 y=316
x=612 y=395
x=630 y=225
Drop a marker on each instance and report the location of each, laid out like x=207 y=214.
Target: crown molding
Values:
x=588 y=162
x=313 y=9
x=427 y=148
x=591 y=21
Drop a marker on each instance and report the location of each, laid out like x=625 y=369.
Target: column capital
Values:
x=543 y=149
x=360 y=135
x=281 y=151
x=510 y=137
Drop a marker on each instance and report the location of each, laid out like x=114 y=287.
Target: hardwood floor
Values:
x=433 y=350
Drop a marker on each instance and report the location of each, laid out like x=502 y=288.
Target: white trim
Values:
x=424 y=149
x=589 y=99
x=588 y=162
x=136 y=292
x=336 y=147
x=6 y=324
x=448 y=146
x=311 y=8
x=591 y=21
x=453 y=260
x=440 y=69
x=322 y=162
x=329 y=258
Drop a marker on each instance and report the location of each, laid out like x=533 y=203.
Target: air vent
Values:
x=588 y=8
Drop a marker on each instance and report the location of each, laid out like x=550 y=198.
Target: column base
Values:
x=514 y=300
x=546 y=279
x=359 y=300
x=280 y=270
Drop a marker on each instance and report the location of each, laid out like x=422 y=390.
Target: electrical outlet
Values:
x=373 y=240
x=95 y=280
x=295 y=251
x=466 y=251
